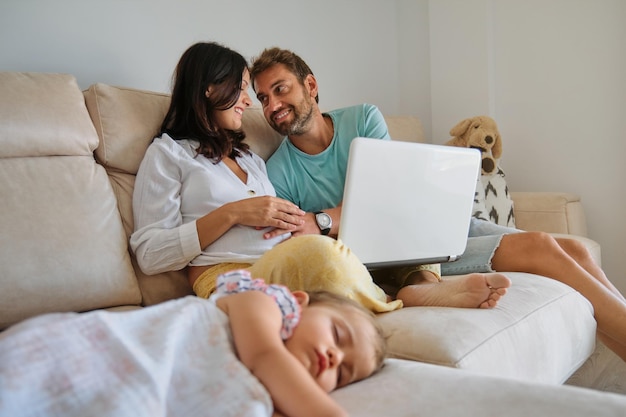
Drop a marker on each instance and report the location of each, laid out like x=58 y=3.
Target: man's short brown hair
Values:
x=273 y=56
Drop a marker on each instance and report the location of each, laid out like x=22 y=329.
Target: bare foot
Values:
x=466 y=291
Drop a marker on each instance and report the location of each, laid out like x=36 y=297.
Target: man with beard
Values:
x=309 y=169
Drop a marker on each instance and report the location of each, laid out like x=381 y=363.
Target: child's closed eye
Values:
x=340 y=370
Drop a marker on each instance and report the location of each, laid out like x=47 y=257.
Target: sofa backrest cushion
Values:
x=42 y=115
x=62 y=246
x=126 y=121
x=405 y=128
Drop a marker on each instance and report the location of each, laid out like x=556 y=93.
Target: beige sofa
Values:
x=67 y=165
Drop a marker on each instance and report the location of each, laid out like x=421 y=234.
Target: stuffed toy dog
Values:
x=480 y=132
x=492 y=201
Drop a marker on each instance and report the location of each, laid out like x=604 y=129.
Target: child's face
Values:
x=335 y=345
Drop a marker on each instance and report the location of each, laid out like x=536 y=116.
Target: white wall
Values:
x=550 y=72
x=137 y=43
x=414 y=77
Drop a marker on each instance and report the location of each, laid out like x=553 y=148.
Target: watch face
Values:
x=323 y=220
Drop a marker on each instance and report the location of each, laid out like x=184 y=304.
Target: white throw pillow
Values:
x=498 y=204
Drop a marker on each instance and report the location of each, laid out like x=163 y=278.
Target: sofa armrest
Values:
x=550 y=212
x=560 y=214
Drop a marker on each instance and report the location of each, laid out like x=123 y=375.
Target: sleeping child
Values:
x=251 y=349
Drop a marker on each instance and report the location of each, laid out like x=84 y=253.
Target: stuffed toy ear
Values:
x=457 y=141
x=461 y=127
x=496 y=150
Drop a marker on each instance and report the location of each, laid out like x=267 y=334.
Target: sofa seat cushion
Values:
x=63 y=247
x=407 y=389
x=541 y=331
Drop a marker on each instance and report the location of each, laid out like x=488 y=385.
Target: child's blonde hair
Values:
x=342 y=302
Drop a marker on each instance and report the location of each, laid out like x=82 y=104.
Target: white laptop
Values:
x=407 y=203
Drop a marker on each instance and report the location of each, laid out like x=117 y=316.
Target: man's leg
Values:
x=541 y=254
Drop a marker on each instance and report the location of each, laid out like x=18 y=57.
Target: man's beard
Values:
x=302 y=116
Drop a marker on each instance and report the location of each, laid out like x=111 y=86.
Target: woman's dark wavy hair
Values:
x=191 y=113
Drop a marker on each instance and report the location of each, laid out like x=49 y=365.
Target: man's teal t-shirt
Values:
x=315 y=182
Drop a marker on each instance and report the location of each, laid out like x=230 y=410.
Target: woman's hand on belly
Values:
x=267 y=211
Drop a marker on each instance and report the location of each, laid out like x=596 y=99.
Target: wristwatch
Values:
x=324 y=222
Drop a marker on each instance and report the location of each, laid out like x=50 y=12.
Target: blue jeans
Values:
x=483 y=240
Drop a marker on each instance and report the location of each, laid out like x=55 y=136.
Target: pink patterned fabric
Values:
x=239 y=281
x=172 y=359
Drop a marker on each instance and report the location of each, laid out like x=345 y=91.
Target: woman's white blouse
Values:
x=175 y=187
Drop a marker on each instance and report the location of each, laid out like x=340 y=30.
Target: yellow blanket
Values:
x=309 y=263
